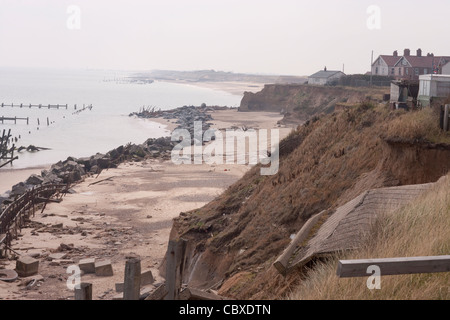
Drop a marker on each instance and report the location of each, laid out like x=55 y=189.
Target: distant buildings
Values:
x=410 y=67
x=325 y=77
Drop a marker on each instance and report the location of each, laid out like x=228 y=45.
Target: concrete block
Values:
x=87 y=265
x=146 y=277
x=103 y=268
x=57 y=256
x=27 y=266
x=119 y=287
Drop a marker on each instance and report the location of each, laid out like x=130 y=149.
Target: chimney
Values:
x=395 y=53
x=325 y=69
x=407 y=52
x=419 y=52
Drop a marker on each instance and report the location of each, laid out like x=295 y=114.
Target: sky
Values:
x=288 y=37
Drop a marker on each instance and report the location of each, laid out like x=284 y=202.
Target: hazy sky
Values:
x=277 y=36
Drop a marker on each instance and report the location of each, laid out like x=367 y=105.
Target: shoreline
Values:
x=232 y=87
x=10 y=177
x=125 y=211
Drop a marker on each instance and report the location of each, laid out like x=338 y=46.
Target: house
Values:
x=325 y=77
x=445 y=69
x=383 y=64
x=433 y=86
x=409 y=67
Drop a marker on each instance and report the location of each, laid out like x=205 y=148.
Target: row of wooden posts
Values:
x=27 y=119
x=40 y=106
x=5 y=152
x=175 y=263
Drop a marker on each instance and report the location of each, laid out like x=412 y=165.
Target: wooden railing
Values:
x=394 y=266
x=13 y=217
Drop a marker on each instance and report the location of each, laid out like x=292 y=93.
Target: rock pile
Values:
x=186 y=116
x=74 y=169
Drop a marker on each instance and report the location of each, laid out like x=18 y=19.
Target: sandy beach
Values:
x=123 y=212
x=233 y=87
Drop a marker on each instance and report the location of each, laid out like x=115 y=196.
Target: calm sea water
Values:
x=105 y=127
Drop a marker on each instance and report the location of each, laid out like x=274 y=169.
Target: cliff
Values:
x=325 y=163
x=299 y=102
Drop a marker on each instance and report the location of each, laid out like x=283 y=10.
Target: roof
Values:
x=415 y=61
x=422 y=62
x=436 y=77
x=325 y=74
x=390 y=60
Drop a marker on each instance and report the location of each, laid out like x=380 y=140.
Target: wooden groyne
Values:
x=13 y=217
x=42 y=106
x=3 y=119
x=5 y=152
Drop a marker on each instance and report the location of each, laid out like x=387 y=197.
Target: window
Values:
x=399 y=71
x=416 y=71
x=392 y=71
x=407 y=71
x=376 y=70
x=425 y=71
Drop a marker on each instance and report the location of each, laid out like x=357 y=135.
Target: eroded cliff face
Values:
x=328 y=161
x=300 y=102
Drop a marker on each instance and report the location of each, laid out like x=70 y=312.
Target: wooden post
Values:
x=446 y=115
x=132 y=279
x=394 y=266
x=282 y=263
x=174 y=268
x=84 y=292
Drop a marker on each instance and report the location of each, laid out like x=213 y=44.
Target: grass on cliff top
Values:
x=417 y=125
x=419 y=229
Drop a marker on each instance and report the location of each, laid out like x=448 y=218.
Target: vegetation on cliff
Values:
x=419 y=229
x=326 y=162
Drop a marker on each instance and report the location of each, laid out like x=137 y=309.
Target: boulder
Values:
x=18 y=189
x=35 y=180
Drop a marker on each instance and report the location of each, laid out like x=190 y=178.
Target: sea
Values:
x=107 y=125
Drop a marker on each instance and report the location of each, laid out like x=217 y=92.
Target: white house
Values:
x=446 y=68
x=433 y=86
x=324 y=77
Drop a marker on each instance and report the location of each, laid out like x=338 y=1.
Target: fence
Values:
x=12 y=218
x=394 y=266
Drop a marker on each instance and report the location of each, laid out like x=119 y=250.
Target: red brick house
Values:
x=408 y=66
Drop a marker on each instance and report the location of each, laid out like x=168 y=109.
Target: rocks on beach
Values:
x=186 y=116
x=75 y=169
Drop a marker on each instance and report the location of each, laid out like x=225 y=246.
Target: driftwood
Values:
x=107 y=179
